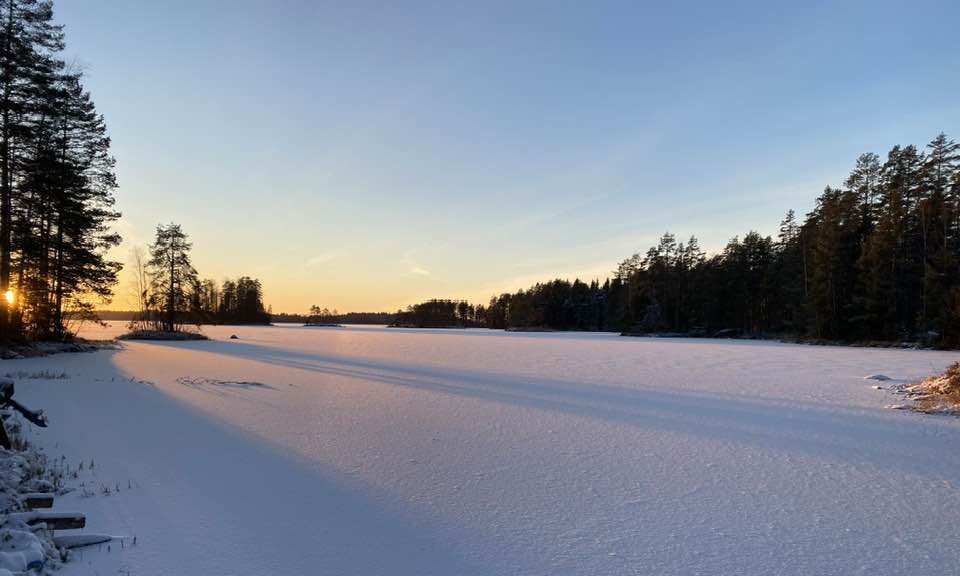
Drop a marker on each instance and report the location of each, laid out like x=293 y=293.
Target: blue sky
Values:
x=365 y=155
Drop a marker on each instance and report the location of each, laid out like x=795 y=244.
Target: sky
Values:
x=365 y=156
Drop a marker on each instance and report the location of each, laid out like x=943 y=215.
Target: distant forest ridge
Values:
x=877 y=259
x=378 y=318
x=381 y=318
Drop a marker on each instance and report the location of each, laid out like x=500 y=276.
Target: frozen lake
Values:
x=366 y=450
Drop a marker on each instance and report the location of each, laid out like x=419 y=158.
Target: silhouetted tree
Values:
x=29 y=44
x=171 y=276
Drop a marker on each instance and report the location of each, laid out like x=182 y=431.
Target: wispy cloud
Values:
x=412 y=266
x=319 y=259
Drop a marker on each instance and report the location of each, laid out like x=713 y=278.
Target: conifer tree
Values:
x=82 y=202
x=171 y=276
x=863 y=182
x=939 y=215
x=29 y=43
x=790 y=274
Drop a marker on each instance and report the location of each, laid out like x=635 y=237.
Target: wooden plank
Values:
x=37 y=500
x=64 y=522
x=53 y=520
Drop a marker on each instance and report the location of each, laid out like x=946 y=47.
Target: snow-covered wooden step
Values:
x=80 y=540
x=35 y=500
x=53 y=520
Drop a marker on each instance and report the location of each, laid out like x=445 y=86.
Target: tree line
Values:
x=56 y=182
x=876 y=259
x=171 y=293
x=318 y=315
x=438 y=313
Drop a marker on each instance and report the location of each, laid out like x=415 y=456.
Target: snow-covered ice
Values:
x=365 y=450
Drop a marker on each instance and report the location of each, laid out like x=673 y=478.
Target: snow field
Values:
x=363 y=450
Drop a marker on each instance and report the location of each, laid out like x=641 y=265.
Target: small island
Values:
x=322 y=318
x=172 y=296
x=438 y=313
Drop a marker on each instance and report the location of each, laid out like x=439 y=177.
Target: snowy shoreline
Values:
x=375 y=451
x=25 y=474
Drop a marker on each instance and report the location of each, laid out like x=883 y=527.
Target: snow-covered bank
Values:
x=371 y=451
x=25 y=476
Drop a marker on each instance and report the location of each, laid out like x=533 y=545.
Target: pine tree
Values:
x=863 y=182
x=789 y=271
x=836 y=227
x=171 y=275
x=65 y=208
x=880 y=267
x=690 y=260
x=939 y=215
x=84 y=207
x=29 y=42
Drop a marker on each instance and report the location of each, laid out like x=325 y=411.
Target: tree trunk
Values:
x=5 y=193
x=171 y=295
x=58 y=286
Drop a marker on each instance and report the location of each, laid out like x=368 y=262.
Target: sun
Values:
x=9 y=296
